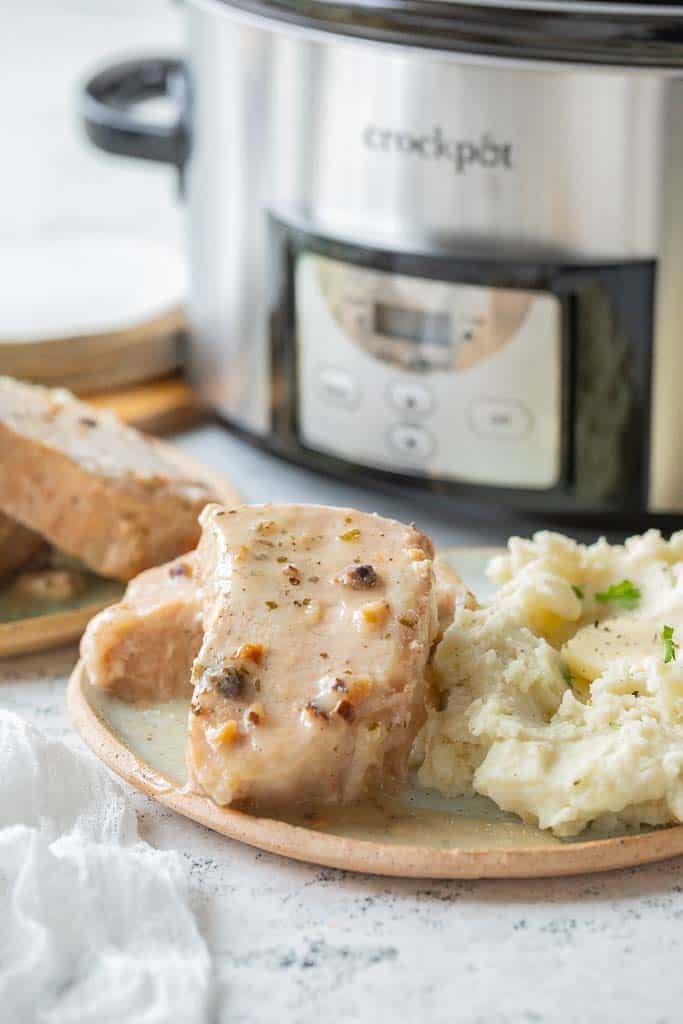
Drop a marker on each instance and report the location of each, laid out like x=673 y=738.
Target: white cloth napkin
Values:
x=95 y=925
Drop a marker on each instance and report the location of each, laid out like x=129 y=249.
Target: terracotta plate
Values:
x=415 y=834
x=33 y=625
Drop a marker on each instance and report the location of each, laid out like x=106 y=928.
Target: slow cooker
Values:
x=434 y=245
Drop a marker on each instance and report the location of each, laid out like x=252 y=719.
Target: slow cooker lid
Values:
x=602 y=31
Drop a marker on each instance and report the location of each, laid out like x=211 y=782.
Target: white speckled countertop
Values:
x=294 y=943
x=302 y=944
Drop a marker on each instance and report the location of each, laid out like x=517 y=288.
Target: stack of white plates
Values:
x=90 y=312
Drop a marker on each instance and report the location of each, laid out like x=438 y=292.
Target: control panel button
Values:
x=411 y=399
x=411 y=441
x=338 y=387
x=499 y=418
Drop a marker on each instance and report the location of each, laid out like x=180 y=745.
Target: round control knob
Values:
x=411 y=399
x=411 y=441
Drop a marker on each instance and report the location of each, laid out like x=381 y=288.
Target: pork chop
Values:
x=90 y=485
x=309 y=684
x=18 y=545
x=143 y=647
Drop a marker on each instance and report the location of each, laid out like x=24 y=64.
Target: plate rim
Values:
x=360 y=855
x=42 y=632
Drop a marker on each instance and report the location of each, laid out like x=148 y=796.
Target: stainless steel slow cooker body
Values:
x=435 y=246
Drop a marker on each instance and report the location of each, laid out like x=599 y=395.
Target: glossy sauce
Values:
x=156 y=733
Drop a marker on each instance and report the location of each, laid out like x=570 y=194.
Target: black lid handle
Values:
x=108 y=109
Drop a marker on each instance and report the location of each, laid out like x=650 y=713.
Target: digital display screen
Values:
x=413 y=325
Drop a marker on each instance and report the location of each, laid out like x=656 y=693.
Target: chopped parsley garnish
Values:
x=670 y=645
x=625 y=594
x=578 y=591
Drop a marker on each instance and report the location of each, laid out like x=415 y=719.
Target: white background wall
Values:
x=52 y=180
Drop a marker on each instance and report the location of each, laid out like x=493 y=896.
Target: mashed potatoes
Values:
x=562 y=698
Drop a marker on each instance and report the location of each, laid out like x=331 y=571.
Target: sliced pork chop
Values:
x=90 y=485
x=318 y=623
x=18 y=545
x=143 y=647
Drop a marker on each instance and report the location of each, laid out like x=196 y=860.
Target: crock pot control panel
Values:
x=426 y=377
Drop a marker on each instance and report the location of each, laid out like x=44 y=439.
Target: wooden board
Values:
x=145 y=745
x=41 y=632
x=160 y=407
x=91 y=312
x=91 y=364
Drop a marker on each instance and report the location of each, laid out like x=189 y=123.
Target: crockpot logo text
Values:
x=463 y=154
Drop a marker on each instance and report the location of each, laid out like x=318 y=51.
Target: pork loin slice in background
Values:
x=318 y=623
x=18 y=545
x=90 y=485
x=143 y=647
